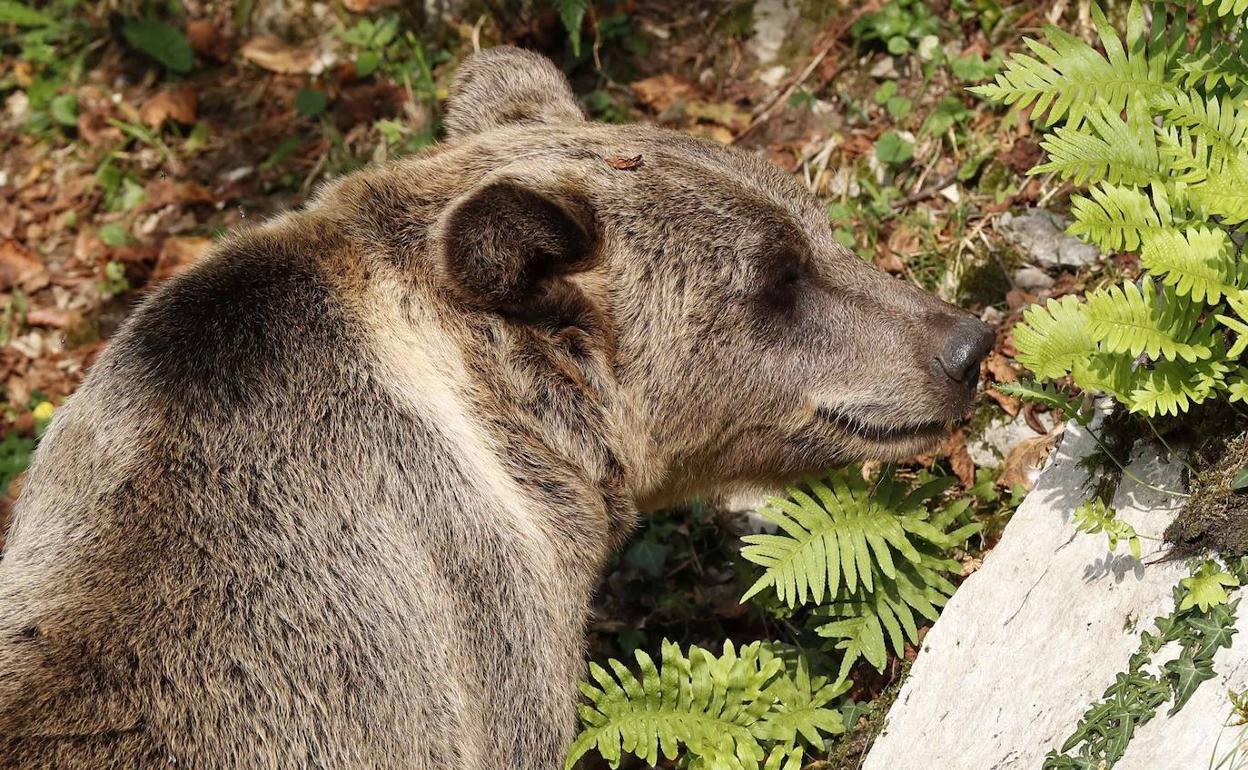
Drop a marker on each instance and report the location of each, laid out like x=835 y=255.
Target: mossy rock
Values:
x=1216 y=517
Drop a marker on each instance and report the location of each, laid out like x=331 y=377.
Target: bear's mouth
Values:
x=926 y=430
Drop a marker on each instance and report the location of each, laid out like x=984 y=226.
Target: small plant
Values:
x=1158 y=127
x=875 y=551
x=1094 y=516
x=1199 y=628
x=741 y=709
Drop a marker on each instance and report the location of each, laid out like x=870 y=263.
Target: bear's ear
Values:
x=505 y=245
x=505 y=85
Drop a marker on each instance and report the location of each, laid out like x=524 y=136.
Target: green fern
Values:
x=875 y=550
x=1044 y=394
x=1197 y=261
x=1137 y=320
x=1070 y=79
x=839 y=534
x=726 y=710
x=1054 y=337
x=1116 y=150
x=1119 y=217
x=1163 y=141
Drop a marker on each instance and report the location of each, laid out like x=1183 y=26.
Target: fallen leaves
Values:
x=1026 y=459
x=177 y=254
x=274 y=55
x=959 y=458
x=662 y=91
x=19 y=268
x=179 y=106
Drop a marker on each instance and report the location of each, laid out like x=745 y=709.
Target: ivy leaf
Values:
x=1207 y=588
x=163 y=42
x=1185 y=673
x=1215 y=632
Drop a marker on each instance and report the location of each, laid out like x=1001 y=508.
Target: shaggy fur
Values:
x=338 y=496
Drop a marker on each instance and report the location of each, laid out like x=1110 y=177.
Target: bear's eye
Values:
x=783 y=282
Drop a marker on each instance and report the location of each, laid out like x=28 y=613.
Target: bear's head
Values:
x=751 y=346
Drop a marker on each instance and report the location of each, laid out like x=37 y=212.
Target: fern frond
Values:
x=1198 y=262
x=1225 y=195
x=713 y=705
x=1041 y=393
x=1068 y=77
x=1137 y=320
x=1116 y=150
x=1112 y=373
x=1172 y=387
x=1220 y=122
x=838 y=534
x=1237 y=386
x=1118 y=217
x=1053 y=337
x=1241 y=331
x=868 y=623
x=1224 y=7
x=801 y=707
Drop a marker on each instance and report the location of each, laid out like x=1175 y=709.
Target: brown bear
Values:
x=338 y=496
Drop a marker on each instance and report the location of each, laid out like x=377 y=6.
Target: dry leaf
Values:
x=625 y=164
x=177 y=254
x=54 y=317
x=275 y=56
x=661 y=91
x=889 y=262
x=721 y=113
x=206 y=39
x=19 y=268
x=364 y=6
x=960 y=459
x=1025 y=460
x=1009 y=404
x=714 y=133
x=1001 y=368
x=180 y=105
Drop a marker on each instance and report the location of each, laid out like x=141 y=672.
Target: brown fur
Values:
x=338 y=496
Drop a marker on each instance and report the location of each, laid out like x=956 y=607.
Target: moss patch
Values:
x=1216 y=517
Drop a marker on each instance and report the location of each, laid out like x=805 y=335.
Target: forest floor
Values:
x=127 y=147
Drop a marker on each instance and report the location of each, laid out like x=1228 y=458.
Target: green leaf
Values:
x=13 y=12
x=1140 y=320
x=572 y=14
x=713 y=705
x=1240 y=482
x=1054 y=337
x=367 y=63
x=310 y=103
x=893 y=148
x=114 y=234
x=1185 y=673
x=163 y=42
x=1207 y=587
x=64 y=109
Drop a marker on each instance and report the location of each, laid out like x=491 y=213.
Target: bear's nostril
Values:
x=969 y=341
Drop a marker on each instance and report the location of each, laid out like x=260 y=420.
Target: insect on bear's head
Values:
x=749 y=344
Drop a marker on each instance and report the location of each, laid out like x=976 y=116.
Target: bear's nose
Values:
x=969 y=341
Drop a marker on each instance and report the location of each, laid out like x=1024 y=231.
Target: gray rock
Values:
x=1034 y=637
x=1039 y=236
x=1032 y=279
x=994 y=442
